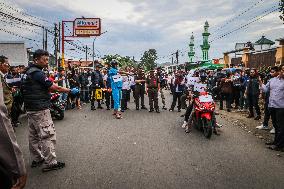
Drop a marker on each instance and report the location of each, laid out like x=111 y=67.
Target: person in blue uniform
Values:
x=116 y=86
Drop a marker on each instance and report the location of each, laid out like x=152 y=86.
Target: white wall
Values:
x=15 y=52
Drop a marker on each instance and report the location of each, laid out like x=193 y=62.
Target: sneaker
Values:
x=143 y=108
x=184 y=125
x=171 y=110
x=37 y=164
x=257 y=117
x=58 y=165
x=272 y=131
x=262 y=127
x=218 y=125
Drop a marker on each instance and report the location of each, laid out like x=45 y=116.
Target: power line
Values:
x=15 y=34
x=21 y=12
x=13 y=24
x=245 y=25
x=239 y=15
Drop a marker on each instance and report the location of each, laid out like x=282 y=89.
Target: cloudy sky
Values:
x=134 y=26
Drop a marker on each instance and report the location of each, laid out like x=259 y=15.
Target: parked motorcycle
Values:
x=204 y=107
x=57 y=107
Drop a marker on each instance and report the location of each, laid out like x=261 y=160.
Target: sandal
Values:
x=118 y=116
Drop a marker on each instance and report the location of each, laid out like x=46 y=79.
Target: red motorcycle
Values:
x=204 y=107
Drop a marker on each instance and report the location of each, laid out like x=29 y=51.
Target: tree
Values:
x=281 y=9
x=123 y=61
x=148 y=60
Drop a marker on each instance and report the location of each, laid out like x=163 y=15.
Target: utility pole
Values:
x=86 y=53
x=177 y=55
x=59 y=36
x=94 y=52
x=56 y=44
x=281 y=10
x=45 y=42
x=62 y=46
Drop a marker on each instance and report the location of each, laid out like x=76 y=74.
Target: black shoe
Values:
x=270 y=143
x=228 y=110
x=108 y=108
x=164 y=108
x=143 y=108
x=122 y=110
x=57 y=166
x=221 y=108
x=250 y=116
x=179 y=110
x=93 y=108
x=216 y=132
x=257 y=117
x=187 y=130
x=276 y=148
x=158 y=111
x=37 y=164
x=182 y=115
x=100 y=107
x=137 y=108
x=151 y=110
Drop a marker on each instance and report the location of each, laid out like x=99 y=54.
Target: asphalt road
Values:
x=149 y=150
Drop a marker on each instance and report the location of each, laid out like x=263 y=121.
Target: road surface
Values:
x=149 y=150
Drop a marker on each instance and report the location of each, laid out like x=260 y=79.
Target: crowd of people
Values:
x=27 y=90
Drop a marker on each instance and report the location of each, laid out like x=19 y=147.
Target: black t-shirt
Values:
x=140 y=77
x=42 y=79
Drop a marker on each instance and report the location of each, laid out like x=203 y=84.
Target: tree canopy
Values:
x=148 y=60
x=124 y=62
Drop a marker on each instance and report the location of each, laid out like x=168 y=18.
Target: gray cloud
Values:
x=135 y=26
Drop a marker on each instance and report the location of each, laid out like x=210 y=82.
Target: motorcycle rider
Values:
x=198 y=88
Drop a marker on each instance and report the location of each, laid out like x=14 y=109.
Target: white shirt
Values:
x=132 y=80
x=125 y=83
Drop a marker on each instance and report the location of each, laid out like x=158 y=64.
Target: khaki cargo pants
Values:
x=42 y=137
